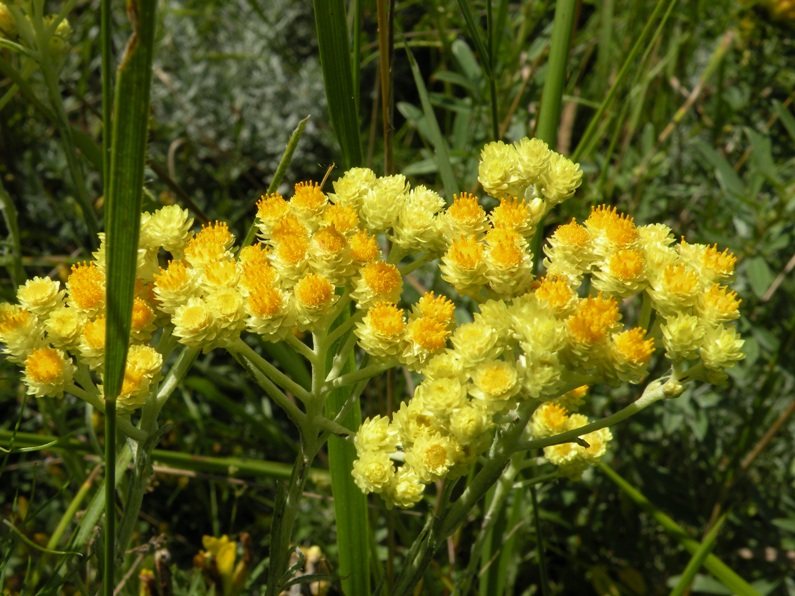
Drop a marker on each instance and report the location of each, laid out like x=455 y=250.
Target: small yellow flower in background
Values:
x=593 y=320
x=344 y=218
x=432 y=455
x=373 y=471
x=194 y=323
x=683 y=335
x=64 y=325
x=271 y=313
x=418 y=225
x=308 y=203
x=220 y=565
x=143 y=320
x=174 y=285
x=211 y=244
x=631 y=354
x=464 y=265
x=495 y=383
x=8 y=26
x=364 y=248
x=330 y=255
x=48 y=372
x=476 y=343
x=513 y=214
x=167 y=228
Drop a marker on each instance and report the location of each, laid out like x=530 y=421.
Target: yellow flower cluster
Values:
x=53 y=330
x=541 y=338
x=557 y=416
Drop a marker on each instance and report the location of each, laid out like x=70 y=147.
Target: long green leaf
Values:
x=551 y=99
x=335 y=60
x=125 y=188
x=123 y=196
x=350 y=503
x=714 y=565
x=436 y=139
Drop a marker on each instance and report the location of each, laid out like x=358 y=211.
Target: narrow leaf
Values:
x=434 y=132
x=713 y=564
x=335 y=60
x=350 y=503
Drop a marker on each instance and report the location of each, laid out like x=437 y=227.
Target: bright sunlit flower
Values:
x=40 y=295
x=48 y=372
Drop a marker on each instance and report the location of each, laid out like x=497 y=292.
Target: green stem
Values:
x=416 y=264
x=284 y=518
x=341 y=358
x=175 y=375
x=109 y=566
x=276 y=394
x=501 y=493
x=363 y=373
x=106 y=42
x=273 y=373
x=654 y=392
x=125 y=425
x=300 y=347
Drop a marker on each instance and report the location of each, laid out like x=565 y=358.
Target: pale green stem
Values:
x=175 y=375
x=645 y=312
x=342 y=357
x=501 y=493
x=344 y=327
x=273 y=373
x=332 y=427
x=300 y=347
x=654 y=392
x=363 y=373
x=287 y=508
x=124 y=424
x=67 y=518
x=276 y=394
x=416 y=264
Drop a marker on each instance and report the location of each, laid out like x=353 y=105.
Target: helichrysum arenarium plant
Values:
x=610 y=297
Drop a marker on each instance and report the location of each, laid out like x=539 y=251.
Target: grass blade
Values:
x=350 y=503
x=335 y=60
x=552 y=96
x=434 y=132
x=697 y=560
x=714 y=565
x=123 y=196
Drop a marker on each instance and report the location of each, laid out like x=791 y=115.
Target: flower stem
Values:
x=273 y=373
x=363 y=373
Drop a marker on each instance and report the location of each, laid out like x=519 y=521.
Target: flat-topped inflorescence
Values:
x=536 y=337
